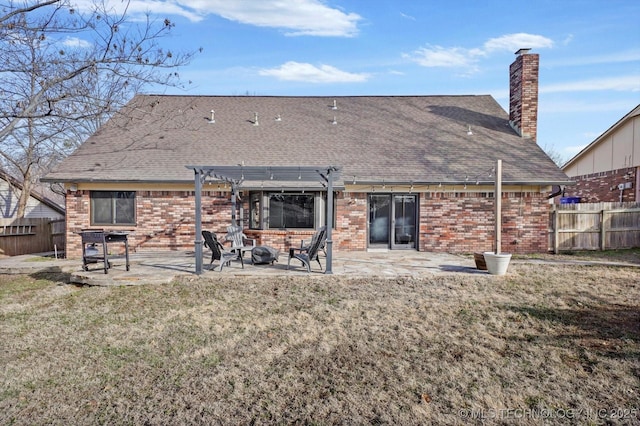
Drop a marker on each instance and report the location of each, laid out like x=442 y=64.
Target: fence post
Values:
x=555 y=230
x=603 y=231
x=50 y=232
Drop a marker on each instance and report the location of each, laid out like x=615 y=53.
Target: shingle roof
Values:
x=393 y=138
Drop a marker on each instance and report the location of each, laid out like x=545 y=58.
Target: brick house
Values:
x=415 y=171
x=608 y=169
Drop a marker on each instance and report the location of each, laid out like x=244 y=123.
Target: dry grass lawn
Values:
x=542 y=345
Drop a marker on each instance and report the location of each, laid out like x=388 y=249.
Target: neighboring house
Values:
x=415 y=171
x=38 y=206
x=608 y=168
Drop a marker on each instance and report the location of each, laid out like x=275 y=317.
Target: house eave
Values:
x=338 y=185
x=124 y=181
x=466 y=182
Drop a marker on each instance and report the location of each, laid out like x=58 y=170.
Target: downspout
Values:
x=559 y=191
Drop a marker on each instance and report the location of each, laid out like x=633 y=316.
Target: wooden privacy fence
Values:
x=594 y=226
x=25 y=236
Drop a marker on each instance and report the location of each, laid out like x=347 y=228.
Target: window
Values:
x=113 y=208
x=282 y=210
x=291 y=210
x=254 y=219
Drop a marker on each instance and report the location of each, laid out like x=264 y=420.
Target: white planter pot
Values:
x=497 y=264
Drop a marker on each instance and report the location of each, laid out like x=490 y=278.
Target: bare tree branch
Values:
x=54 y=94
x=26 y=9
x=555 y=155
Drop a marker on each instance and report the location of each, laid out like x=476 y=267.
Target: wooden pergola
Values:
x=240 y=176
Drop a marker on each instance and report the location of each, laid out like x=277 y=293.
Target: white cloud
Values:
x=137 y=9
x=300 y=17
x=568 y=39
x=296 y=71
x=467 y=58
x=165 y=8
x=438 y=56
x=513 y=42
x=76 y=42
x=622 y=83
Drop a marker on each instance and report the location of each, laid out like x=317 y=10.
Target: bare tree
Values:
x=555 y=155
x=64 y=72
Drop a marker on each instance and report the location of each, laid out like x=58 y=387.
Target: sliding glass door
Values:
x=393 y=221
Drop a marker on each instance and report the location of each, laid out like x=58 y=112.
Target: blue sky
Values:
x=589 y=52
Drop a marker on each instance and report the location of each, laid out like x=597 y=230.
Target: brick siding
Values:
x=523 y=97
x=603 y=187
x=449 y=222
x=464 y=223
x=165 y=219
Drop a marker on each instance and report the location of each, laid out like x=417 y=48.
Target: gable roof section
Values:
x=420 y=139
x=633 y=113
x=35 y=193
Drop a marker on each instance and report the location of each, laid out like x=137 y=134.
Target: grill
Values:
x=95 y=247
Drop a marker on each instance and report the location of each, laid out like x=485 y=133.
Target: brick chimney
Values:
x=523 y=94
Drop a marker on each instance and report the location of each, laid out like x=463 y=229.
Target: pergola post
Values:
x=198 y=240
x=234 y=191
x=327 y=269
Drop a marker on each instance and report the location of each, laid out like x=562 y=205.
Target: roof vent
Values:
x=335 y=105
x=334 y=120
x=213 y=117
x=278 y=118
x=255 y=119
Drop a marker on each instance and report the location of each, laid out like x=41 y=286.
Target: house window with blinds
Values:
x=113 y=208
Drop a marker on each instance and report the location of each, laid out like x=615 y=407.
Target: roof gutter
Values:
x=345 y=181
x=69 y=180
x=464 y=182
x=253 y=186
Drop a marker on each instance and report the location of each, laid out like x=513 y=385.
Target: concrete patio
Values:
x=162 y=267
